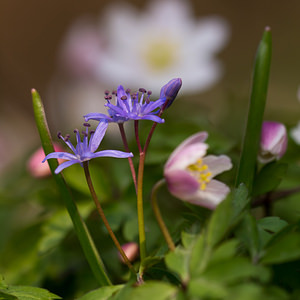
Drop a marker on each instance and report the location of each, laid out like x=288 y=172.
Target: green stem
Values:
x=140 y=210
x=80 y=228
x=123 y=135
x=158 y=216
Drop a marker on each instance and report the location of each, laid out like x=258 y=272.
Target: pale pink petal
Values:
x=181 y=183
x=199 y=137
x=217 y=164
x=214 y=193
x=186 y=156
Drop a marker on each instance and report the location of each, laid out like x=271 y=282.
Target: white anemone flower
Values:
x=163 y=42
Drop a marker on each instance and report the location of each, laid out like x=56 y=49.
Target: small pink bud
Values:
x=273 y=141
x=35 y=166
x=131 y=250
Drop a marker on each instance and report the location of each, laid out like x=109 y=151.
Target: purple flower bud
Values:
x=131 y=250
x=170 y=90
x=189 y=173
x=273 y=141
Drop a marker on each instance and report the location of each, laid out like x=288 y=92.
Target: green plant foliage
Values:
x=103 y=293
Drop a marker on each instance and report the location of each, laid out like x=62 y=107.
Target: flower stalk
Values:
x=158 y=216
x=102 y=215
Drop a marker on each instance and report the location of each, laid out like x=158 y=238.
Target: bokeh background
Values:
x=32 y=31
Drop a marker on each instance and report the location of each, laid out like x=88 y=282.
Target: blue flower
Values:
x=85 y=150
x=129 y=107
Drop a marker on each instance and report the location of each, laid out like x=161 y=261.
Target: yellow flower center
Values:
x=201 y=172
x=160 y=54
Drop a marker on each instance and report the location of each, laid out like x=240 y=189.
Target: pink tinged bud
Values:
x=170 y=90
x=273 y=141
x=189 y=173
x=131 y=250
x=35 y=166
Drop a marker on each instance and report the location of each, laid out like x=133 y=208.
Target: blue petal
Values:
x=98 y=136
x=111 y=153
x=62 y=155
x=96 y=116
x=153 y=105
x=65 y=165
x=153 y=118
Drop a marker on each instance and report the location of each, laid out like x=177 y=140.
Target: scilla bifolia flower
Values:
x=170 y=90
x=189 y=173
x=85 y=150
x=273 y=141
x=129 y=107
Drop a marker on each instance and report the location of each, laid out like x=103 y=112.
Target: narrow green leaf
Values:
x=81 y=230
x=258 y=97
x=103 y=293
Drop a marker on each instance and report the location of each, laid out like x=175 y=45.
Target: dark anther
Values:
x=92 y=131
x=84 y=133
x=142 y=90
x=66 y=138
x=106 y=92
x=149 y=93
x=76 y=130
x=114 y=92
x=59 y=134
x=133 y=97
x=127 y=91
x=124 y=97
x=86 y=125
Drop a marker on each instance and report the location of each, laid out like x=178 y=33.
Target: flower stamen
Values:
x=201 y=172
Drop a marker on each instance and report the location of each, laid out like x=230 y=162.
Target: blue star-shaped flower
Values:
x=129 y=107
x=85 y=150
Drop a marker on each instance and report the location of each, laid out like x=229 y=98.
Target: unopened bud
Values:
x=170 y=90
x=131 y=250
x=273 y=141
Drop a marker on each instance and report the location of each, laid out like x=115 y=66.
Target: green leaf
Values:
x=153 y=290
x=206 y=289
x=272 y=224
x=103 y=293
x=284 y=249
x=235 y=270
x=81 y=230
x=247 y=165
x=28 y=293
x=178 y=261
x=269 y=178
x=247 y=232
x=240 y=201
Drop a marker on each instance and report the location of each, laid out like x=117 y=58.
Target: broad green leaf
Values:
x=101 y=294
x=284 y=249
x=29 y=293
x=153 y=290
x=247 y=165
x=188 y=239
x=225 y=251
x=5 y=296
x=200 y=256
x=235 y=270
x=240 y=201
x=272 y=224
x=206 y=289
x=178 y=261
x=269 y=178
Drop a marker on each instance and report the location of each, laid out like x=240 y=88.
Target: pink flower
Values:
x=189 y=173
x=131 y=250
x=35 y=166
x=273 y=141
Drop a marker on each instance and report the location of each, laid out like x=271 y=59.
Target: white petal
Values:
x=214 y=193
x=295 y=133
x=217 y=164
